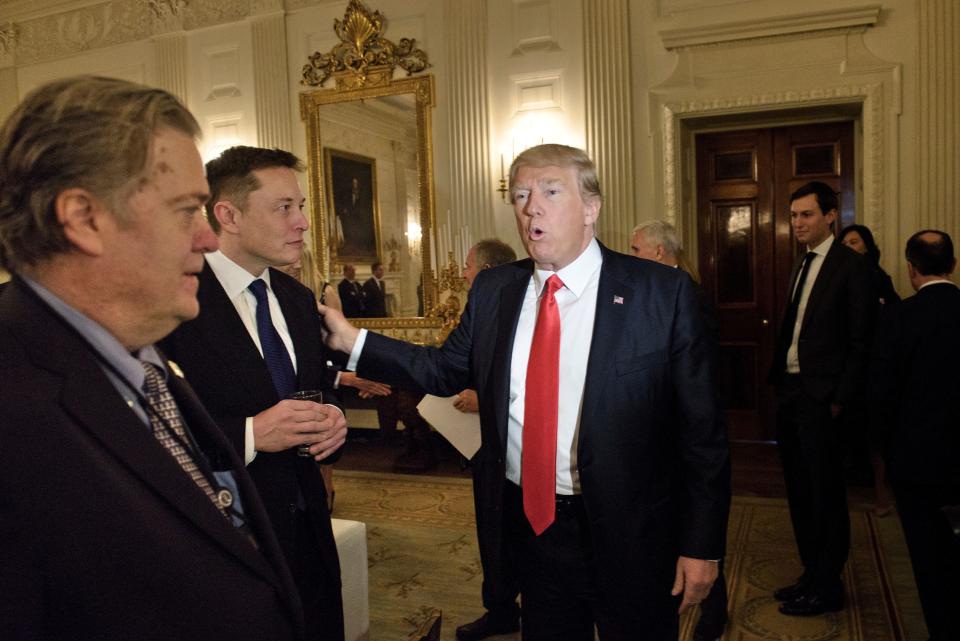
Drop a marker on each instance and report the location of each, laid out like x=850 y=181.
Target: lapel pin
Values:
x=175 y=369
x=618 y=300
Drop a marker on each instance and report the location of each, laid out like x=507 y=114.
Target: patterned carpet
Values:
x=423 y=554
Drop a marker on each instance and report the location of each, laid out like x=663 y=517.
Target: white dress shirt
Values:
x=793 y=354
x=577 y=304
x=235 y=280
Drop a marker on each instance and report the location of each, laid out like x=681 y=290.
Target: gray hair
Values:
x=659 y=232
x=493 y=252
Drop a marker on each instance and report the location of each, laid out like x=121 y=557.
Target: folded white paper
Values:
x=462 y=429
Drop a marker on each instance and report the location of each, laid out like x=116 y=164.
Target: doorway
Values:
x=746 y=248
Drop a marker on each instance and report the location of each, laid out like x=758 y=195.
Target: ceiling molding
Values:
x=752 y=28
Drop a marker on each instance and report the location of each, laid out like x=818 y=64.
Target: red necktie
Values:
x=538 y=464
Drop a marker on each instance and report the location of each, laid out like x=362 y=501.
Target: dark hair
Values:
x=873 y=252
x=88 y=132
x=375 y=265
x=931 y=257
x=826 y=196
x=231 y=175
x=493 y=252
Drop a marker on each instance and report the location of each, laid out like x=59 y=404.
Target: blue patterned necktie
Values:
x=274 y=351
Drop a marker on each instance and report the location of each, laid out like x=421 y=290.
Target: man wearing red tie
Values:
x=604 y=458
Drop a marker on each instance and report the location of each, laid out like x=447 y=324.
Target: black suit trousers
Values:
x=559 y=583
x=813 y=471
x=934 y=552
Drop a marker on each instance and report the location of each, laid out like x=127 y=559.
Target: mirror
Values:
x=370 y=159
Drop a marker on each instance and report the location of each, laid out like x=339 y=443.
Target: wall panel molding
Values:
x=609 y=109
x=270 y=87
x=471 y=180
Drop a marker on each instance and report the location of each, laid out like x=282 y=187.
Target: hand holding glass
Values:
x=307 y=395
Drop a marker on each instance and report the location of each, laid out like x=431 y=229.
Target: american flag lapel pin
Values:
x=618 y=300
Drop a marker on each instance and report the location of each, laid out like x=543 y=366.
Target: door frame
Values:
x=864 y=105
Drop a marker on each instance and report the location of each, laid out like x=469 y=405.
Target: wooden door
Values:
x=746 y=249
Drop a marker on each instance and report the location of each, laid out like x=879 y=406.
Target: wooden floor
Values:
x=755 y=467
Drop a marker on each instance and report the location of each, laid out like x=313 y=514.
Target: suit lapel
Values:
x=511 y=302
x=88 y=396
x=831 y=263
x=608 y=324
x=225 y=335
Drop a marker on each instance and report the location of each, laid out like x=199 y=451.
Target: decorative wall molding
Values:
x=271 y=90
x=537 y=91
x=759 y=27
x=536 y=26
x=471 y=179
x=220 y=70
x=171 y=65
x=609 y=120
x=938 y=91
x=869 y=96
x=8 y=38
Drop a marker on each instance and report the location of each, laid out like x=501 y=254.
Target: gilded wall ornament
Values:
x=8 y=37
x=363 y=57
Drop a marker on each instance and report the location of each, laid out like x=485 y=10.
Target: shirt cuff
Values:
x=355 y=353
x=249 y=451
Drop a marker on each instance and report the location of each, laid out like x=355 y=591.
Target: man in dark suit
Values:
x=124 y=513
x=657 y=240
x=255 y=342
x=501 y=584
x=375 y=293
x=351 y=294
x=915 y=409
x=604 y=460
x=819 y=368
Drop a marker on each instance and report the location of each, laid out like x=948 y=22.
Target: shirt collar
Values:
x=937 y=282
x=234 y=278
x=824 y=247
x=575 y=276
x=102 y=341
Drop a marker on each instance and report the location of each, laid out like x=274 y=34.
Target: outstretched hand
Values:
x=338 y=333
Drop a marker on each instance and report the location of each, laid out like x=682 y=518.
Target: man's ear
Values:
x=226 y=215
x=591 y=211
x=82 y=217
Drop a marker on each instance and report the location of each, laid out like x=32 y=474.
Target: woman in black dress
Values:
x=860 y=239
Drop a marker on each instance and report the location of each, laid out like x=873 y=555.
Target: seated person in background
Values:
x=501 y=585
x=860 y=437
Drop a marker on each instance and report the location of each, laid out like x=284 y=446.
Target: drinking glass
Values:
x=307 y=395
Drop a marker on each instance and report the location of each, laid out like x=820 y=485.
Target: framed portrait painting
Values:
x=351 y=186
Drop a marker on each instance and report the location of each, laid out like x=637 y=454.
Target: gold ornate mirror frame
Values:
x=362 y=66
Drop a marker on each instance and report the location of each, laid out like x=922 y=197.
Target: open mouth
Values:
x=535 y=233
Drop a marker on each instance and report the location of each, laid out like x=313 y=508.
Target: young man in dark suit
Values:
x=915 y=409
x=255 y=342
x=604 y=459
x=351 y=293
x=124 y=512
x=375 y=293
x=819 y=368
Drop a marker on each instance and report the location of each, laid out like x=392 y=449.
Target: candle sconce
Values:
x=503 y=189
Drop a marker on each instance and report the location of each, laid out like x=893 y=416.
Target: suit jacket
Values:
x=374 y=299
x=652 y=451
x=102 y=534
x=351 y=297
x=224 y=366
x=913 y=387
x=836 y=328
